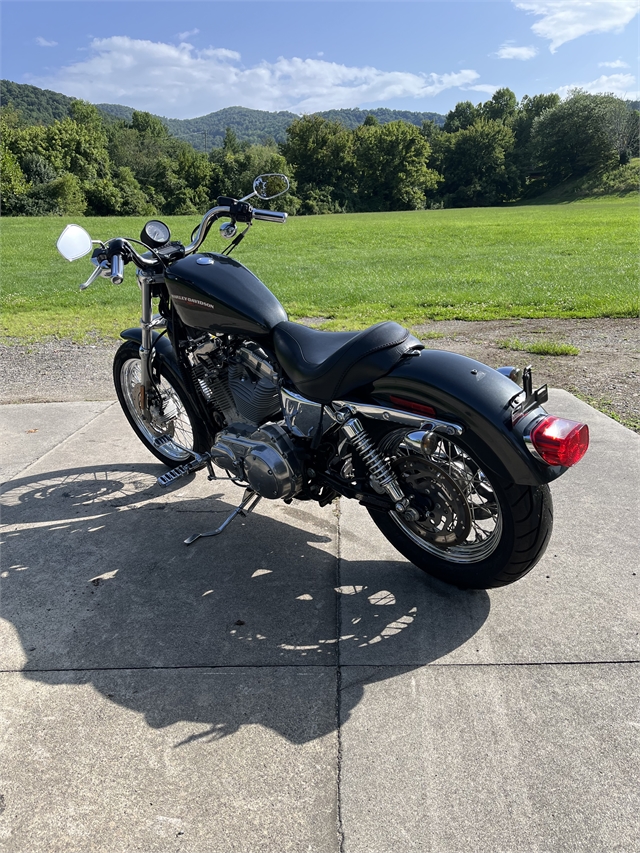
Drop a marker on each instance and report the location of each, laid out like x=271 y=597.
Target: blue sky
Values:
x=184 y=59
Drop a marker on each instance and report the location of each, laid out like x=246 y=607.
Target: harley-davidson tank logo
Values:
x=191 y=301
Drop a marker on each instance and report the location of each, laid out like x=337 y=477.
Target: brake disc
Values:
x=445 y=518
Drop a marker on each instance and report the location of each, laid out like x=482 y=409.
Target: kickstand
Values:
x=244 y=509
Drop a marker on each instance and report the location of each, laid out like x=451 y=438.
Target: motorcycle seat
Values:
x=327 y=366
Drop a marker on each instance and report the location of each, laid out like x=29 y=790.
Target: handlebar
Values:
x=113 y=267
x=270 y=216
x=117 y=269
x=221 y=210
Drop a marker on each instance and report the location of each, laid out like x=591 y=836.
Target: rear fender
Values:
x=478 y=398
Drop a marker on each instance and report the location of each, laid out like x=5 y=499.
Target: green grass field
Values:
x=571 y=260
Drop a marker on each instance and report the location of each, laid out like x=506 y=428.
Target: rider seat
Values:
x=327 y=366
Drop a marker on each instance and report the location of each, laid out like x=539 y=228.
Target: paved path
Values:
x=296 y=685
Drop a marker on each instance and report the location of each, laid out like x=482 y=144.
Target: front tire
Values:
x=474 y=532
x=173 y=414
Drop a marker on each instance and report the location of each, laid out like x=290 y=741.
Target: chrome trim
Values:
x=384 y=413
x=259 y=365
x=94 y=275
x=117 y=269
x=512 y=373
x=209 y=217
x=302 y=416
x=529 y=443
x=377 y=465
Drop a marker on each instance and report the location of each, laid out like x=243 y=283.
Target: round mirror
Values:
x=270 y=186
x=74 y=243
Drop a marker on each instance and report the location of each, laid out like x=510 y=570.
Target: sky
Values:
x=186 y=58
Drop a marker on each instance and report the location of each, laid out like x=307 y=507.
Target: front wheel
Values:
x=464 y=528
x=172 y=413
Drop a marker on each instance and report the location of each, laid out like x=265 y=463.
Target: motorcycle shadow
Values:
x=247 y=628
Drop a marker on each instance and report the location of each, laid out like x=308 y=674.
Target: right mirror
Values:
x=74 y=243
x=271 y=185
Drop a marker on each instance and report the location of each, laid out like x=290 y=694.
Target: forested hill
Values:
x=252 y=126
x=37 y=106
x=42 y=106
x=257 y=125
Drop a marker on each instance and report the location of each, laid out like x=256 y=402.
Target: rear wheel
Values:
x=172 y=412
x=463 y=527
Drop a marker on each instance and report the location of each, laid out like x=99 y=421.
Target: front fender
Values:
x=476 y=396
x=164 y=352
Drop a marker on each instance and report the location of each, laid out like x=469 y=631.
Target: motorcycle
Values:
x=451 y=458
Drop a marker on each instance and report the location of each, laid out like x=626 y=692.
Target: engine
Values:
x=266 y=459
x=241 y=385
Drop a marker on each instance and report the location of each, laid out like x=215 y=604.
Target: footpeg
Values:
x=174 y=474
x=249 y=502
x=200 y=460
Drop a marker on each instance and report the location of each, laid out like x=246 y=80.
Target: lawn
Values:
x=567 y=260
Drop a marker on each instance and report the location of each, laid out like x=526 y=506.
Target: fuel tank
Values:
x=217 y=294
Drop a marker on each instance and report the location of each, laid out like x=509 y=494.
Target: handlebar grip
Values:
x=117 y=269
x=270 y=216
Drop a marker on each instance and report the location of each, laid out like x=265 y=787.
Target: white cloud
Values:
x=183 y=82
x=565 y=20
x=184 y=36
x=621 y=85
x=617 y=64
x=510 y=51
x=44 y=43
x=482 y=87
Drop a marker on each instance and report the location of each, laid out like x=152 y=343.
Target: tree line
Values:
x=485 y=154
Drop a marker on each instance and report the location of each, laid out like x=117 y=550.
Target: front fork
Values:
x=147 y=323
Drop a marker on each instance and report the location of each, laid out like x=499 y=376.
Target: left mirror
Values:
x=74 y=243
x=270 y=186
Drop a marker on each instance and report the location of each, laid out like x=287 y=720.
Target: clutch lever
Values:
x=102 y=268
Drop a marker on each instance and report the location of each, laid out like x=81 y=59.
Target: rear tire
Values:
x=175 y=416
x=508 y=525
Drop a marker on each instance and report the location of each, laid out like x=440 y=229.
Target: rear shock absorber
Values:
x=379 y=468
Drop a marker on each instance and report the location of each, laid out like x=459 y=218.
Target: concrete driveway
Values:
x=295 y=684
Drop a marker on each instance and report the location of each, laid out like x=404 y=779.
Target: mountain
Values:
x=42 y=106
x=249 y=125
x=38 y=106
x=257 y=125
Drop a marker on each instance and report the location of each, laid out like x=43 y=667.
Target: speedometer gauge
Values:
x=155 y=234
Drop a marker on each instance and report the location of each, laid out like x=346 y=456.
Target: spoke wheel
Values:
x=464 y=525
x=171 y=411
x=460 y=517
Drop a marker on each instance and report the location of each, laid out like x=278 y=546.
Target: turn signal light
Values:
x=559 y=441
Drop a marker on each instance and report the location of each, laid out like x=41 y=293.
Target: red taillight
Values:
x=410 y=406
x=559 y=441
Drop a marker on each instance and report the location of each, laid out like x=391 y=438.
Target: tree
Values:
x=320 y=154
x=390 y=167
x=230 y=143
x=501 y=107
x=623 y=129
x=62 y=196
x=13 y=183
x=148 y=125
x=477 y=165
x=576 y=136
x=462 y=116
x=527 y=112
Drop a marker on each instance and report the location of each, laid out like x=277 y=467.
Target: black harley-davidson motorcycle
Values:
x=451 y=458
